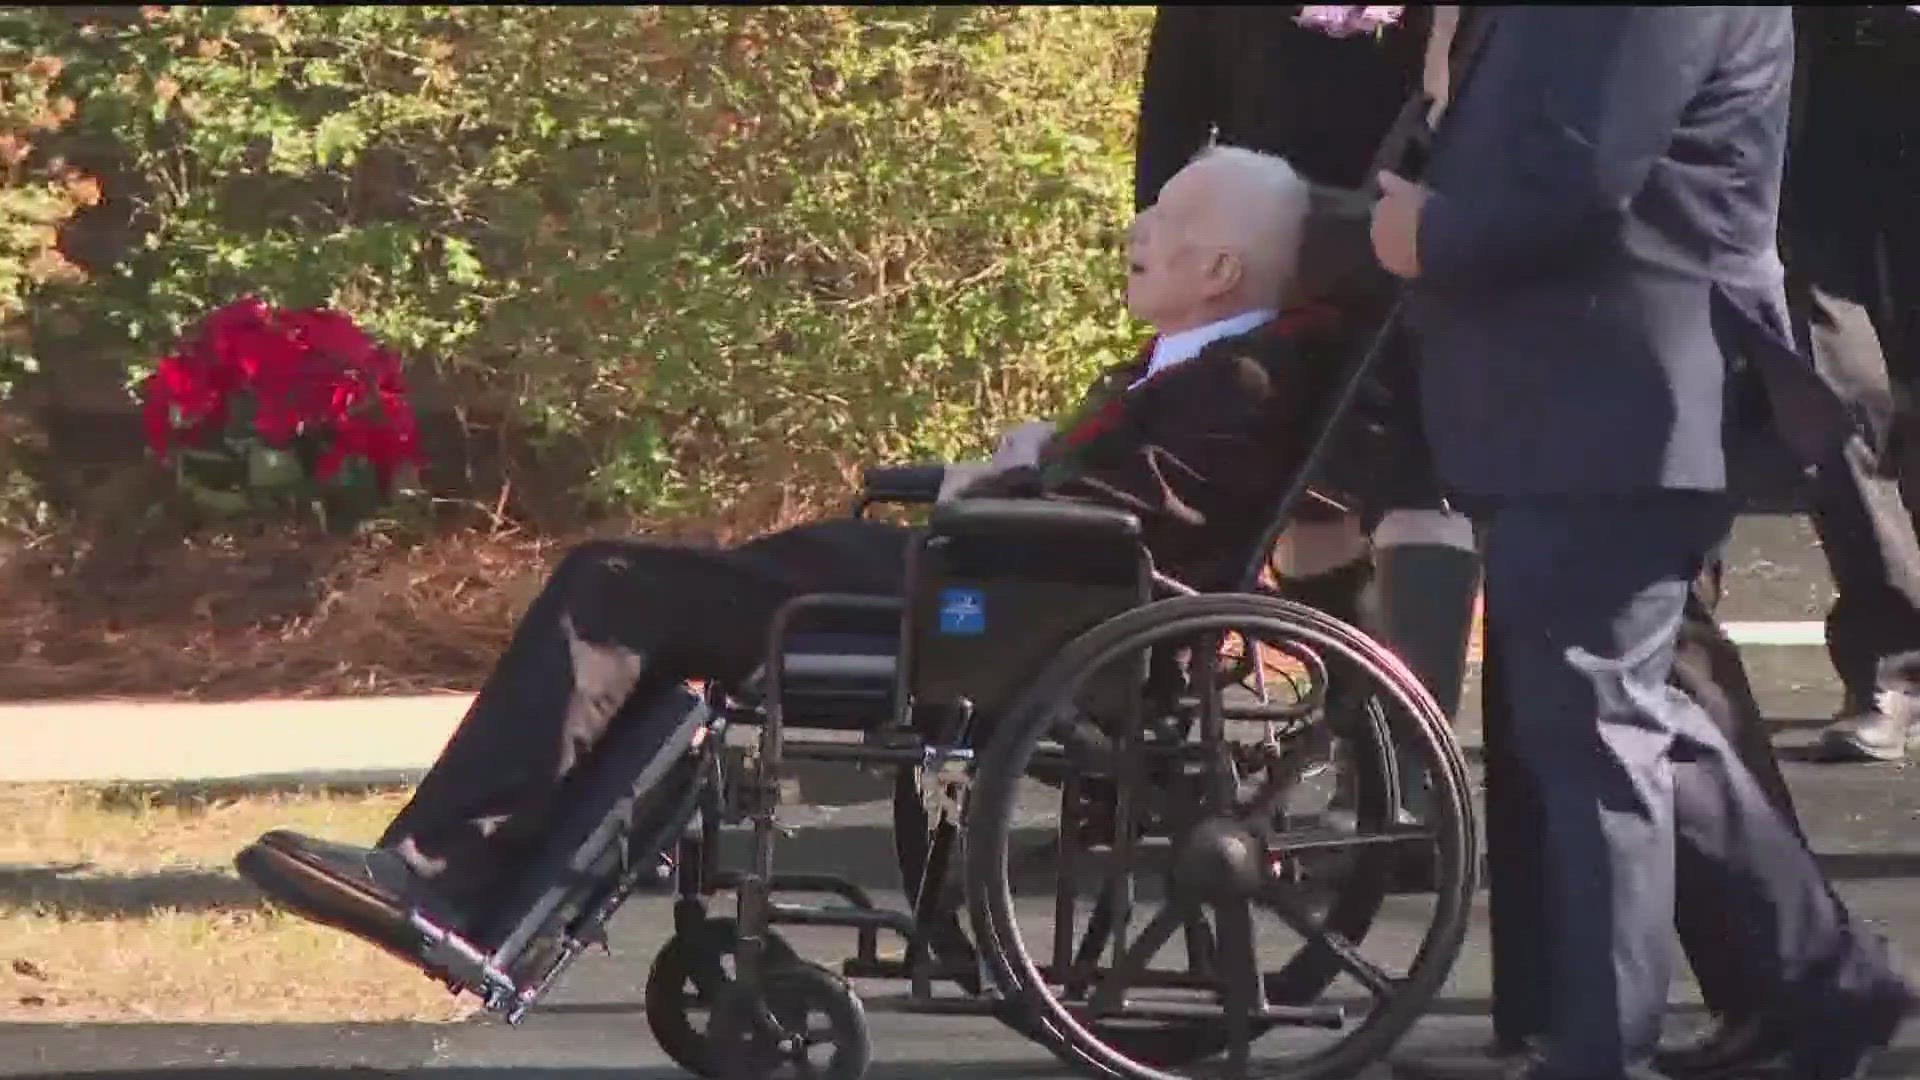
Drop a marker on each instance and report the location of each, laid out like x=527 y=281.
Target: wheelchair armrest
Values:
x=902 y=483
x=1001 y=517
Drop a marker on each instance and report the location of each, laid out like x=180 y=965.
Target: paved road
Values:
x=1862 y=819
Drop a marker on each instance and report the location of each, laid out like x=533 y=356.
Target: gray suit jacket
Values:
x=1600 y=246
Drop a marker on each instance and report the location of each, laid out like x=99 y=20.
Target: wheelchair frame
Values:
x=511 y=981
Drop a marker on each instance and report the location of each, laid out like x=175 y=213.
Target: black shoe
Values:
x=1848 y=1052
x=368 y=892
x=1730 y=1048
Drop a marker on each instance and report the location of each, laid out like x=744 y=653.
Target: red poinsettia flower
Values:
x=309 y=374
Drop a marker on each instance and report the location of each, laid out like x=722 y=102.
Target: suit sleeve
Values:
x=1587 y=99
x=1177 y=99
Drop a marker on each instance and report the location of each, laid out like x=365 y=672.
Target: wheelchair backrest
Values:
x=1337 y=269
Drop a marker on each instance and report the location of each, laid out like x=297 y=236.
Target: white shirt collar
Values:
x=1171 y=349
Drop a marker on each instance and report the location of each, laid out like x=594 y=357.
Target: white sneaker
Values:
x=1882 y=733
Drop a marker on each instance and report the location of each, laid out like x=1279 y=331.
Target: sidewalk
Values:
x=146 y=740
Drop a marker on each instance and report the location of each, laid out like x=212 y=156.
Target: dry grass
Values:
x=121 y=905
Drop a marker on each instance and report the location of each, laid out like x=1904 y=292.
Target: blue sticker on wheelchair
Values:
x=963 y=612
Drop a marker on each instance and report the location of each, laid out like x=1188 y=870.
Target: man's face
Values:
x=1168 y=282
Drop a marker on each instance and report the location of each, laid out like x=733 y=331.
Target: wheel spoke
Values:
x=1221 y=778
x=1087 y=955
x=1201 y=953
x=1370 y=975
x=1240 y=982
x=1295 y=843
x=1134 y=960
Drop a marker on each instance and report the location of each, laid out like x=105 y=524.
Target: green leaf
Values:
x=338 y=139
x=270 y=469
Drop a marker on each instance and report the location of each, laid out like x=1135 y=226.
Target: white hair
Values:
x=1259 y=211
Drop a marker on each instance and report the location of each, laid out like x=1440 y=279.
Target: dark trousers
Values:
x=1707 y=668
x=1840 y=286
x=615 y=618
x=1613 y=799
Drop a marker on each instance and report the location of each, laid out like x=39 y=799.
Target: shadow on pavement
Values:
x=1870 y=865
x=861 y=854
x=889 y=1070
x=358 y=1071
x=71 y=890
x=1895 y=1063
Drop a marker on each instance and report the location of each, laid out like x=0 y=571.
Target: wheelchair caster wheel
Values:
x=802 y=1021
x=692 y=975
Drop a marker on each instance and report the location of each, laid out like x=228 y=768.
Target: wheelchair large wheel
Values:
x=1347 y=890
x=1226 y=863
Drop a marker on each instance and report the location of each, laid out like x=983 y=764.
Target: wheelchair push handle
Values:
x=906 y=485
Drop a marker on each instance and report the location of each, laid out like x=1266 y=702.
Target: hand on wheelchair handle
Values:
x=957 y=477
x=902 y=483
x=1021 y=445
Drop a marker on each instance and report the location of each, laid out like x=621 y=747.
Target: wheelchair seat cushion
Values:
x=832 y=681
x=826 y=657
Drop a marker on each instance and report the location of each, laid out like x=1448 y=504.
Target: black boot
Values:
x=1343 y=594
x=1423 y=610
x=1340 y=592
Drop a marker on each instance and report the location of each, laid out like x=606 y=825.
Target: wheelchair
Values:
x=1036 y=651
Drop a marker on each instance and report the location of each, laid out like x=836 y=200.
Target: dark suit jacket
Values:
x=1854 y=163
x=1201 y=451
x=1852 y=202
x=1600 y=243
x=1270 y=85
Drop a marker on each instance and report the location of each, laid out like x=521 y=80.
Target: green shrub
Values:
x=38 y=193
x=726 y=247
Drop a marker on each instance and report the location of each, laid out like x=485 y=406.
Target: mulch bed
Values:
x=275 y=616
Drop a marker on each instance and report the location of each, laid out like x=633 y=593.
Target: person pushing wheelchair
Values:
x=1232 y=267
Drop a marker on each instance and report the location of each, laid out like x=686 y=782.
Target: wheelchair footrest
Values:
x=464 y=967
x=624 y=808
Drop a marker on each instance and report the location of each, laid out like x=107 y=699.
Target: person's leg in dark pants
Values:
x=1516 y=898
x=1707 y=668
x=614 y=618
x=1632 y=779
x=1860 y=510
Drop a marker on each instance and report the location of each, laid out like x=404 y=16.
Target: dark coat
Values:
x=1852 y=203
x=1201 y=451
x=1268 y=84
x=1600 y=244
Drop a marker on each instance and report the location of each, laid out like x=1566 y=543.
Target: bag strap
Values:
x=1461 y=58
x=1435 y=76
x=1456 y=38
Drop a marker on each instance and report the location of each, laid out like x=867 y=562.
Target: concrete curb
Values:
x=282 y=744
x=95 y=741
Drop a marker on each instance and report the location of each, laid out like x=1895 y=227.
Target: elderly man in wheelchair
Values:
x=1009 y=624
